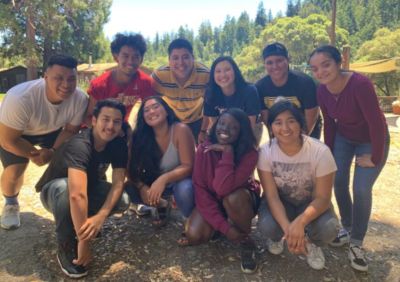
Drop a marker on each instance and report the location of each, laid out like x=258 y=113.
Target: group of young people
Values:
x=195 y=142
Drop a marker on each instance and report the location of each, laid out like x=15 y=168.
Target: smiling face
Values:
x=224 y=76
x=60 y=83
x=129 y=60
x=324 y=68
x=286 y=128
x=227 y=129
x=277 y=68
x=107 y=125
x=154 y=113
x=181 y=62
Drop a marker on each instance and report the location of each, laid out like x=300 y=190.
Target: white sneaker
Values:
x=315 y=257
x=275 y=248
x=10 y=217
x=140 y=209
x=357 y=258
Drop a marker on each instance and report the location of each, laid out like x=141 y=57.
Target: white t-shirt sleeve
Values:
x=325 y=163
x=15 y=113
x=80 y=107
x=264 y=158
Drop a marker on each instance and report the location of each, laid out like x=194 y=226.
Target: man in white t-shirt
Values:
x=43 y=112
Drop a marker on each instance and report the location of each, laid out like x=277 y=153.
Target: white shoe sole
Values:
x=356 y=266
x=12 y=227
x=75 y=276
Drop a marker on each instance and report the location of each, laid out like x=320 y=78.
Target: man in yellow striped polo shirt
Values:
x=182 y=84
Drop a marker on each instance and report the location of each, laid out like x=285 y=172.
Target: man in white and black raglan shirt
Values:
x=295 y=86
x=43 y=112
x=74 y=188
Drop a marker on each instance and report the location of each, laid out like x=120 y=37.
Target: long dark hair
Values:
x=330 y=51
x=145 y=152
x=214 y=94
x=245 y=141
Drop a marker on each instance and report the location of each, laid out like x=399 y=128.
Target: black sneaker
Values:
x=357 y=258
x=248 y=257
x=65 y=255
x=342 y=238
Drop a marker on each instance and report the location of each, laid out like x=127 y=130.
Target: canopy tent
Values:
x=378 y=66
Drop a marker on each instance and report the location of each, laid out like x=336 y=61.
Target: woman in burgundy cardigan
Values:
x=354 y=127
x=226 y=195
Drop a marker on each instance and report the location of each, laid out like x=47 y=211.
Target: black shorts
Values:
x=45 y=141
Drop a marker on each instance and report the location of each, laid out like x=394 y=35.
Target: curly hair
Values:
x=145 y=155
x=245 y=141
x=133 y=40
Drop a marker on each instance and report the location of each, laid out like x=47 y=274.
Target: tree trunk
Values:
x=31 y=61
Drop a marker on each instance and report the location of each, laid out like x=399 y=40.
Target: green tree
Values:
x=205 y=32
x=228 y=36
x=299 y=35
x=385 y=44
x=292 y=9
x=243 y=30
x=270 y=17
x=261 y=16
x=73 y=27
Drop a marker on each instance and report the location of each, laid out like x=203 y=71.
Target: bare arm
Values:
x=203 y=130
x=264 y=117
x=67 y=132
x=92 y=225
x=311 y=116
x=186 y=147
x=11 y=140
x=253 y=120
x=321 y=202
x=77 y=187
x=89 y=111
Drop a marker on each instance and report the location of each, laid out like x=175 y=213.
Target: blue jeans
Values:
x=55 y=199
x=355 y=213
x=182 y=191
x=320 y=231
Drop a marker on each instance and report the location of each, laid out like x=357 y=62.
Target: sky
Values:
x=151 y=16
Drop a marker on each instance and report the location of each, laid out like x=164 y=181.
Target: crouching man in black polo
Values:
x=74 y=189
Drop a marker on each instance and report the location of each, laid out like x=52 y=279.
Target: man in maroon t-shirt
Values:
x=127 y=83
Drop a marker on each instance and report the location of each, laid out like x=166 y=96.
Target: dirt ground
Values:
x=129 y=249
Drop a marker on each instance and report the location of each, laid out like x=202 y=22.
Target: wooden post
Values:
x=346 y=57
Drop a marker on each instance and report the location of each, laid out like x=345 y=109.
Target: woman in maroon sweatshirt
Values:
x=226 y=195
x=354 y=126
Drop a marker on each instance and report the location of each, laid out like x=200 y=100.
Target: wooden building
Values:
x=10 y=77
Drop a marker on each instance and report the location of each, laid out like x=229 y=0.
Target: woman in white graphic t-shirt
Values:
x=296 y=173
